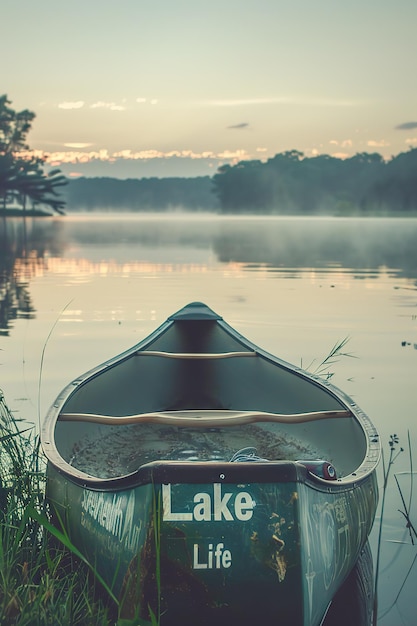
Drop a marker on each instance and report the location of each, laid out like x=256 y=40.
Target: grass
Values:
x=394 y=451
x=42 y=580
x=337 y=352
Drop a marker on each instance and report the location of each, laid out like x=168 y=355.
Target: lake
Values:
x=76 y=290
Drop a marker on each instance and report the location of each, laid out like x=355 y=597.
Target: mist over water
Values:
x=294 y=286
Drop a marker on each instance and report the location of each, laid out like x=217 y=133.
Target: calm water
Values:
x=75 y=291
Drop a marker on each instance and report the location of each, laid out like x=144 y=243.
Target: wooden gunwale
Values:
x=204 y=419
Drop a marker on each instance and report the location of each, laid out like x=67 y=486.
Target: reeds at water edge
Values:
x=394 y=451
x=41 y=581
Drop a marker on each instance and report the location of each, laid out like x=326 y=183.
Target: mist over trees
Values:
x=290 y=183
x=287 y=184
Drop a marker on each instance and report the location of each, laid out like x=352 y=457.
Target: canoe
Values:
x=210 y=482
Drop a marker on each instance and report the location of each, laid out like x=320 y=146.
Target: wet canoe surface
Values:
x=125 y=448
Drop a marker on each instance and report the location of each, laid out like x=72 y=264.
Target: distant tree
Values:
x=397 y=189
x=22 y=176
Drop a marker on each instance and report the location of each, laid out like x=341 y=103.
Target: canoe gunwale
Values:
x=195 y=472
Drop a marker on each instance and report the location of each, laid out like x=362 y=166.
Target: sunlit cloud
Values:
x=234 y=155
x=340 y=155
x=345 y=143
x=112 y=106
x=71 y=105
x=179 y=154
x=145 y=100
x=377 y=144
x=411 y=141
x=73 y=157
x=261 y=149
x=78 y=145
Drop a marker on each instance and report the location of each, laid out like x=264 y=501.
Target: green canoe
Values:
x=211 y=482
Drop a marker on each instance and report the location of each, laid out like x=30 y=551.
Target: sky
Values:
x=139 y=88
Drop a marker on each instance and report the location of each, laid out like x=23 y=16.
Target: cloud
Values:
x=340 y=155
x=78 y=156
x=406 y=126
x=246 y=102
x=346 y=143
x=239 y=126
x=112 y=106
x=411 y=141
x=73 y=156
x=377 y=144
x=71 y=105
x=78 y=145
x=144 y=100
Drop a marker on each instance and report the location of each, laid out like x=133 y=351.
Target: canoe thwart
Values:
x=203 y=418
x=195 y=355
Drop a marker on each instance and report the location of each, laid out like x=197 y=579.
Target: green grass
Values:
x=43 y=581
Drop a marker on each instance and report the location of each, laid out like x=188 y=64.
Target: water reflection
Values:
x=365 y=248
x=15 y=272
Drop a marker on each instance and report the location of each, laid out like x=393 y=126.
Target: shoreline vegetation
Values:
x=42 y=579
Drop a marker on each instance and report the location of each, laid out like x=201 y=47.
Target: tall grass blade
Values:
x=62 y=536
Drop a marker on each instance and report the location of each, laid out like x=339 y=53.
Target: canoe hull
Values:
x=271 y=548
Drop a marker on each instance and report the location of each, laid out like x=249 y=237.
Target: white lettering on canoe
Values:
x=108 y=513
x=206 y=507
x=212 y=558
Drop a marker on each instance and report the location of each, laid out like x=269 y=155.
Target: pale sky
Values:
x=136 y=88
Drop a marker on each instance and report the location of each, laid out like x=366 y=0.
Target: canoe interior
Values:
x=137 y=383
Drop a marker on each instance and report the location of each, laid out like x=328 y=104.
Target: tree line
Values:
x=290 y=183
x=144 y=194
